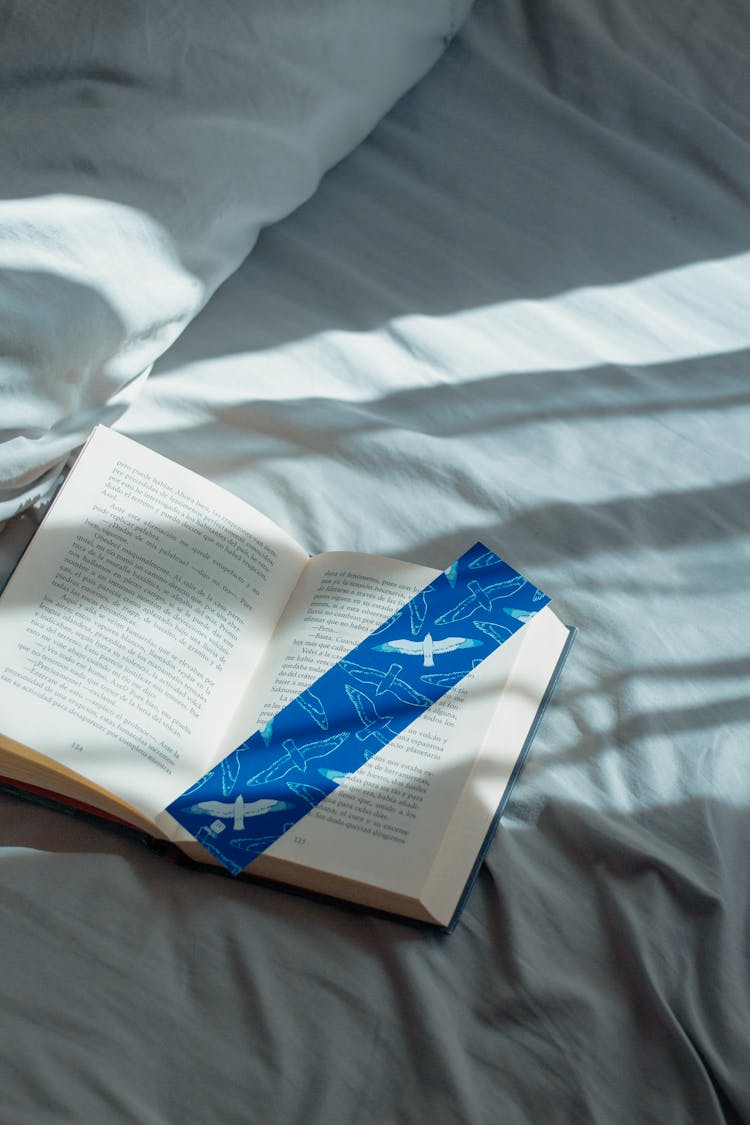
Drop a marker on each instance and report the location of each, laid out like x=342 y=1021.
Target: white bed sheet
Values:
x=519 y=312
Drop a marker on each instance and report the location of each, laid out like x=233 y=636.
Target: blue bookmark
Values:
x=274 y=778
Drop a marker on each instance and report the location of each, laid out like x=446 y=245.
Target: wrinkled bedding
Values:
x=519 y=312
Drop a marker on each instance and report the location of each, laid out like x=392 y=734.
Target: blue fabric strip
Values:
x=274 y=778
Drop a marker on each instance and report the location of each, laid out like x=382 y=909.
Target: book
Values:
x=156 y=620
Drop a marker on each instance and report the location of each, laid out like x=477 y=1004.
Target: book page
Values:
x=383 y=824
x=137 y=615
x=543 y=641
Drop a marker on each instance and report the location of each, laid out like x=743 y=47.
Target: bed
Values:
x=405 y=276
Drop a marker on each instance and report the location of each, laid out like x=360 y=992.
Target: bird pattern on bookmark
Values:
x=296 y=757
x=281 y=772
x=386 y=681
x=427 y=648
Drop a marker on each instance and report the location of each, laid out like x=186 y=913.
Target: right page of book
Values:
x=384 y=824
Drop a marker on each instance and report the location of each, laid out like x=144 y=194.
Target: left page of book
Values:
x=142 y=607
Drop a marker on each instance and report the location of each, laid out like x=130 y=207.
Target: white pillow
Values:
x=143 y=145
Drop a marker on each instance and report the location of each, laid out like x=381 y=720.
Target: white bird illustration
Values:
x=481 y=597
x=427 y=648
x=374 y=725
x=238 y=809
x=297 y=757
x=385 y=682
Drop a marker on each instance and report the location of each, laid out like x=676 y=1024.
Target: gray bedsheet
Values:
x=518 y=312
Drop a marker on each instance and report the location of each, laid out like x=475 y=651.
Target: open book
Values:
x=156 y=621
